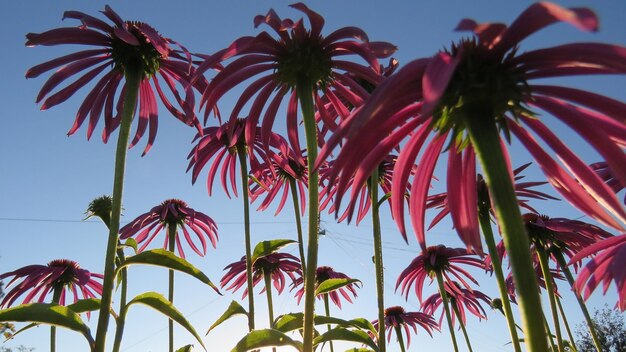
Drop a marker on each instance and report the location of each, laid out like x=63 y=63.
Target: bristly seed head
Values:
x=540 y=236
x=480 y=82
x=72 y=273
x=144 y=56
x=304 y=61
x=174 y=215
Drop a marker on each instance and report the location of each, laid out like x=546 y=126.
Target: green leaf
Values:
x=289 y=322
x=265 y=338
x=46 y=313
x=343 y=334
x=233 y=309
x=331 y=285
x=159 y=303
x=268 y=247
x=85 y=305
x=293 y=321
x=186 y=348
x=166 y=259
x=362 y=349
x=131 y=243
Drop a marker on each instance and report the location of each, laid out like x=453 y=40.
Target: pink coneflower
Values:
x=124 y=45
x=324 y=273
x=463 y=298
x=278 y=265
x=220 y=144
x=61 y=275
x=435 y=96
x=606 y=266
x=396 y=318
x=297 y=56
x=437 y=259
x=176 y=213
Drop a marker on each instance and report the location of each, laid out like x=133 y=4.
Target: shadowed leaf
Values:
x=166 y=259
x=343 y=334
x=293 y=321
x=265 y=338
x=159 y=303
x=233 y=309
x=187 y=348
x=331 y=285
x=265 y=248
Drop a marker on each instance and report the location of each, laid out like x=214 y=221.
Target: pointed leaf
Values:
x=13 y=334
x=289 y=322
x=46 y=313
x=362 y=349
x=293 y=321
x=131 y=243
x=159 y=303
x=268 y=247
x=357 y=336
x=85 y=305
x=166 y=259
x=331 y=285
x=187 y=348
x=233 y=309
x=265 y=338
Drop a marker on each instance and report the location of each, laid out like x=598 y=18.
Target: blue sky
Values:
x=48 y=179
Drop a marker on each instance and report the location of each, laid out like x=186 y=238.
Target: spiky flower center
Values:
x=174 y=212
x=539 y=235
x=323 y=273
x=266 y=264
x=481 y=82
x=143 y=56
x=304 y=60
x=71 y=272
x=299 y=170
x=100 y=207
x=434 y=260
x=396 y=312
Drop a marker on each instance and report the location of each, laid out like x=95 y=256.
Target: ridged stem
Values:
x=572 y=344
x=56 y=296
x=378 y=259
x=171 y=237
x=485 y=225
x=400 y=338
x=243 y=165
x=133 y=78
x=305 y=96
x=547 y=277
x=268 y=292
x=296 y=210
x=327 y=308
x=465 y=335
x=484 y=137
x=583 y=307
x=446 y=308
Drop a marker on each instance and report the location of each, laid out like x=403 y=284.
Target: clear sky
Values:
x=48 y=179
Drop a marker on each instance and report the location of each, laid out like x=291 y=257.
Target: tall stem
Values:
x=549 y=332
x=305 y=95
x=133 y=78
x=327 y=308
x=56 y=296
x=446 y=308
x=485 y=139
x=400 y=338
x=485 y=225
x=572 y=344
x=378 y=259
x=171 y=237
x=121 y=319
x=268 y=292
x=583 y=307
x=458 y=314
x=296 y=210
x=545 y=269
x=243 y=163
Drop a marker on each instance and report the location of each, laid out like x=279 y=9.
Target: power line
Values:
x=125 y=222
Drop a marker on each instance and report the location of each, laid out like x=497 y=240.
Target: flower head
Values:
x=437 y=259
x=322 y=274
x=278 y=265
x=39 y=280
x=397 y=317
x=606 y=266
x=172 y=213
x=486 y=77
x=463 y=298
x=297 y=56
x=124 y=46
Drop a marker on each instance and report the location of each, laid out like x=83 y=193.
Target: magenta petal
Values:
x=436 y=78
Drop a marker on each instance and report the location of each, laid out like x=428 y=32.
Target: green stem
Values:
x=550 y=339
x=305 y=95
x=583 y=307
x=400 y=338
x=378 y=259
x=121 y=319
x=485 y=139
x=133 y=78
x=458 y=314
x=241 y=152
x=171 y=237
x=446 y=308
x=327 y=308
x=296 y=210
x=56 y=296
x=572 y=344
x=268 y=292
x=485 y=225
x=545 y=269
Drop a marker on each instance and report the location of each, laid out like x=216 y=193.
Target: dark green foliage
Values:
x=611 y=328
